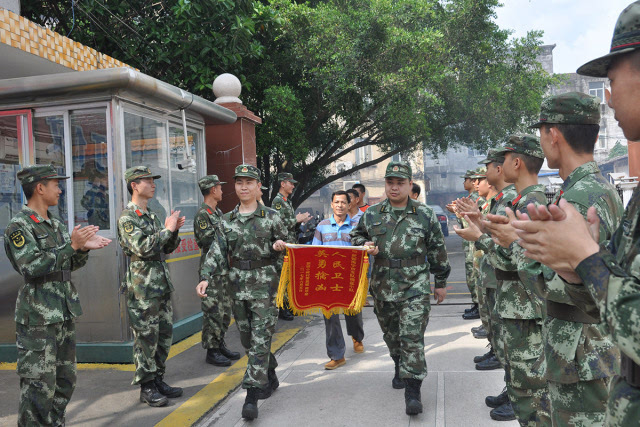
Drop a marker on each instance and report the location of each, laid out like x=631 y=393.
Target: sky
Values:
x=580 y=29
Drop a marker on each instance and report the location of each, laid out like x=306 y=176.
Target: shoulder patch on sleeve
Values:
x=277 y=206
x=203 y=224
x=128 y=227
x=17 y=238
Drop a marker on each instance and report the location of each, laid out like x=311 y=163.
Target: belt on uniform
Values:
x=399 y=263
x=54 y=276
x=506 y=275
x=250 y=264
x=629 y=370
x=157 y=257
x=570 y=313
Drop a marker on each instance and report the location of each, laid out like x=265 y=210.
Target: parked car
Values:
x=442 y=218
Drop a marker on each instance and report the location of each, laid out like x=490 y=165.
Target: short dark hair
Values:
x=30 y=188
x=581 y=138
x=206 y=191
x=354 y=192
x=533 y=164
x=341 y=193
x=129 y=188
x=415 y=188
x=360 y=187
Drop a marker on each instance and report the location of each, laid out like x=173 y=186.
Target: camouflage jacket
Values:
x=612 y=278
x=414 y=234
x=96 y=202
x=514 y=300
x=206 y=225
x=36 y=247
x=486 y=244
x=246 y=237
x=283 y=206
x=140 y=234
x=577 y=351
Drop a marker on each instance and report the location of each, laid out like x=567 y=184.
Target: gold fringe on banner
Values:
x=285 y=283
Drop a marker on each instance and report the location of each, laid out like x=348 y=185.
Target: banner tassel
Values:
x=284 y=281
x=363 y=289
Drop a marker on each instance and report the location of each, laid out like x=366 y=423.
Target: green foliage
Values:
x=617 y=151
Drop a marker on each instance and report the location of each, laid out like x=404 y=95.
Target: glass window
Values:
x=90 y=167
x=597 y=89
x=146 y=145
x=10 y=189
x=184 y=180
x=48 y=132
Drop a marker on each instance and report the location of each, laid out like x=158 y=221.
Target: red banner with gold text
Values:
x=331 y=279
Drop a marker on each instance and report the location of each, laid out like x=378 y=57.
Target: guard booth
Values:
x=92 y=125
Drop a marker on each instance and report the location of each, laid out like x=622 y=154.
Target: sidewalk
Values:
x=360 y=393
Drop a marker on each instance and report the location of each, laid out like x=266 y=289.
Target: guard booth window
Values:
x=10 y=155
x=146 y=145
x=90 y=167
x=184 y=180
x=48 y=132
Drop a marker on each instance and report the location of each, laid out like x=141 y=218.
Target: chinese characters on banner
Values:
x=332 y=279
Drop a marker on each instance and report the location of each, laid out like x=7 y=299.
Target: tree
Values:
x=184 y=43
x=398 y=74
x=617 y=151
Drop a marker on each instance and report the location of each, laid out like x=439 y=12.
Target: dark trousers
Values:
x=335 y=340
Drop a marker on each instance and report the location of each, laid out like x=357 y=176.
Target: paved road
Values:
x=356 y=394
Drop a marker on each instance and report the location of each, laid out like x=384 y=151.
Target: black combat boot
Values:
x=485 y=356
x=250 y=407
x=412 y=397
x=503 y=413
x=215 y=357
x=473 y=314
x=273 y=379
x=497 y=401
x=166 y=389
x=231 y=355
x=489 y=364
x=481 y=333
x=397 y=382
x=473 y=307
x=150 y=395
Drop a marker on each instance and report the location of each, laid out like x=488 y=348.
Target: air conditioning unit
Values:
x=343 y=166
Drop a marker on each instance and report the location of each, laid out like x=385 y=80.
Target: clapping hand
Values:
x=80 y=236
x=96 y=242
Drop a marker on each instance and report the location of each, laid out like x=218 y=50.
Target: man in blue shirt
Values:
x=335 y=232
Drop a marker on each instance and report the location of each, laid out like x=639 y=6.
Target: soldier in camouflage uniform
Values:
x=282 y=205
x=607 y=275
x=40 y=248
x=216 y=307
x=96 y=200
x=402 y=234
x=148 y=285
x=580 y=359
x=519 y=307
x=252 y=237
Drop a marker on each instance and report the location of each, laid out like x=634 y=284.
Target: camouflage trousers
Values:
x=47 y=370
x=152 y=324
x=216 y=315
x=471 y=279
x=403 y=324
x=579 y=404
x=495 y=337
x=483 y=308
x=527 y=389
x=256 y=320
x=623 y=406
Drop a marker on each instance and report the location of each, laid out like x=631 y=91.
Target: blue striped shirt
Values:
x=328 y=232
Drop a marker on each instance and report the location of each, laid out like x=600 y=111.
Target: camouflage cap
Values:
x=398 y=170
x=37 y=173
x=626 y=39
x=479 y=173
x=468 y=174
x=286 y=176
x=523 y=144
x=248 y=171
x=574 y=108
x=138 y=172
x=209 y=181
x=493 y=155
